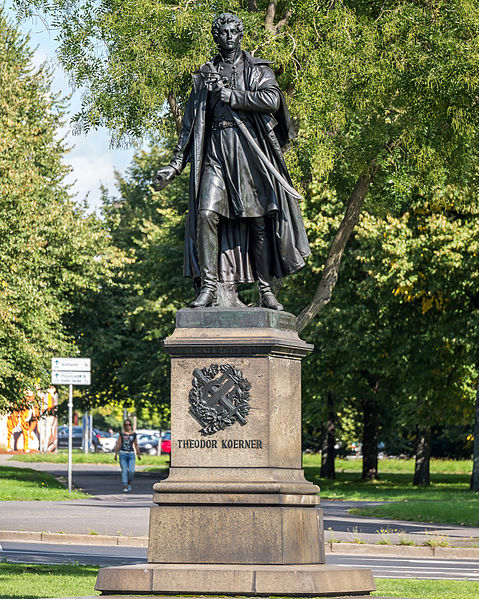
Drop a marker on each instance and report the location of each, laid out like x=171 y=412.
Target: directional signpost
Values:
x=70 y=371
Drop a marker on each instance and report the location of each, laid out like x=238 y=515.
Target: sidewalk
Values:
x=116 y=515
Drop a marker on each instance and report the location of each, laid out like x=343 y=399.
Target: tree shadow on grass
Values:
x=389 y=487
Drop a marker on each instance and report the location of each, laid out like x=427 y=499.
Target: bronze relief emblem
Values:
x=219 y=397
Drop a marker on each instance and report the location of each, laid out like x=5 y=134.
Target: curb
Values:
x=336 y=548
x=72 y=539
x=401 y=550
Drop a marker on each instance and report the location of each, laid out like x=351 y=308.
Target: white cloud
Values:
x=89 y=172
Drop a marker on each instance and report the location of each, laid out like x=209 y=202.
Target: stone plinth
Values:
x=190 y=579
x=261 y=452
x=244 y=529
x=236 y=515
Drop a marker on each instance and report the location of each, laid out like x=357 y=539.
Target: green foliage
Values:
x=402 y=326
x=395 y=466
x=47 y=242
x=392 y=81
x=134 y=309
x=452 y=488
x=29 y=581
x=75 y=580
x=25 y=484
x=78 y=457
x=382 y=83
x=465 y=512
x=426 y=589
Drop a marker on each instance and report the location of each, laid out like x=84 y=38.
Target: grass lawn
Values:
x=24 y=581
x=445 y=512
x=427 y=589
x=448 y=499
x=25 y=484
x=78 y=457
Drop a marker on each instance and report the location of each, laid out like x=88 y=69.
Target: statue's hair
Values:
x=224 y=18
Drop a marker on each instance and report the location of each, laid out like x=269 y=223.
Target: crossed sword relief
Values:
x=215 y=392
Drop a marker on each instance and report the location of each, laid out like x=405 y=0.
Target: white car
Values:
x=108 y=442
x=148 y=431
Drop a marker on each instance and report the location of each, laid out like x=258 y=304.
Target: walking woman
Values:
x=127 y=446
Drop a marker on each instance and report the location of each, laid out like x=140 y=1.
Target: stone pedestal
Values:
x=236 y=515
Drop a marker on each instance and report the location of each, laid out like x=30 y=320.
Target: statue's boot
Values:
x=207 y=241
x=227 y=296
x=205 y=298
x=263 y=262
x=268 y=299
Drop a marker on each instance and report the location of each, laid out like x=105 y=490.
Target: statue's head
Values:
x=227 y=30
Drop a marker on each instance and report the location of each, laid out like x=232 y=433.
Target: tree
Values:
x=47 y=242
x=400 y=334
x=384 y=90
x=133 y=310
x=475 y=466
x=329 y=441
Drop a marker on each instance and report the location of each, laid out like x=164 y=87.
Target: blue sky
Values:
x=91 y=158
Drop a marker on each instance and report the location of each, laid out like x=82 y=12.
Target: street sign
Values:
x=61 y=377
x=72 y=364
x=71 y=371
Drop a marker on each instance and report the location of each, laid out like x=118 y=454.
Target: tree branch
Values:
x=252 y=5
x=175 y=110
x=270 y=14
x=329 y=275
x=282 y=22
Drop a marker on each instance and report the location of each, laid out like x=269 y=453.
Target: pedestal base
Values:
x=236 y=515
x=272 y=529
x=316 y=580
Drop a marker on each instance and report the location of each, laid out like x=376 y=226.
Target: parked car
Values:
x=148 y=431
x=77 y=438
x=103 y=440
x=166 y=442
x=147 y=444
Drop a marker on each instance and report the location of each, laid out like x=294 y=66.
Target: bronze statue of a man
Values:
x=244 y=222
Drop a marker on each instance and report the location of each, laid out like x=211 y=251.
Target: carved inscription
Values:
x=223 y=444
x=219 y=397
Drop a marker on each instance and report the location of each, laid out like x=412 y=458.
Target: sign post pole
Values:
x=70 y=433
x=70 y=371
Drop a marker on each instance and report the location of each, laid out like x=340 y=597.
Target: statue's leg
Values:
x=262 y=257
x=208 y=246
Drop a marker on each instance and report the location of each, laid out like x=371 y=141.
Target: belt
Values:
x=222 y=125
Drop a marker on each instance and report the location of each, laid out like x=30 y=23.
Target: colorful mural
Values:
x=34 y=428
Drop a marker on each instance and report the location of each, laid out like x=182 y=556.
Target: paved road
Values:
x=383 y=567
x=109 y=511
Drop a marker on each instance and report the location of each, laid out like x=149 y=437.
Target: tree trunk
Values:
x=475 y=456
x=329 y=275
x=370 y=439
x=423 y=457
x=175 y=111
x=270 y=14
x=329 y=441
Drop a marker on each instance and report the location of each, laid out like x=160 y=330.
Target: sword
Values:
x=213 y=76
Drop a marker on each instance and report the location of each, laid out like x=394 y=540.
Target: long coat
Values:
x=273 y=132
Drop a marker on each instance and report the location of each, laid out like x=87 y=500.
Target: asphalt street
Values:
x=384 y=567
x=109 y=511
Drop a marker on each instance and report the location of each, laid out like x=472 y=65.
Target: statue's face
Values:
x=229 y=38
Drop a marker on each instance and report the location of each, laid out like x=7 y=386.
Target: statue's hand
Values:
x=165 y=176
x=225 y=95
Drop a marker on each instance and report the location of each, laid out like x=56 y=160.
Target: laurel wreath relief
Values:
x=233 y=406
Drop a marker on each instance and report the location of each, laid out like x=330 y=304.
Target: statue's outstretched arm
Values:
x=166 y=174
